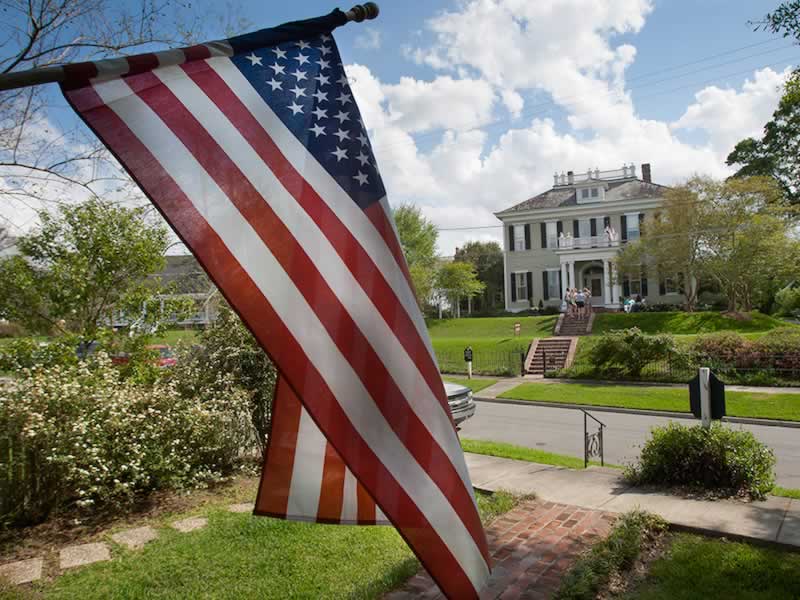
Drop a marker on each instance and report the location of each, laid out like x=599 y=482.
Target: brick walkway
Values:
x=532 y=547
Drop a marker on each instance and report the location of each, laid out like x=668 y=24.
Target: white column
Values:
x=617 y=289
x=564 y=282
x=506 y=277
x=572 y=283
x=606 y=282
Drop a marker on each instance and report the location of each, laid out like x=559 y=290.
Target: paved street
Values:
x=560 y=430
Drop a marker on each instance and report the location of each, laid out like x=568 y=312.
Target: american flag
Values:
x=255 y=152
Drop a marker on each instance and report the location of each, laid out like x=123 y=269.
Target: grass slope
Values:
x=738 y=404
x=488 y=334
x=682 y=323
x=713 y=569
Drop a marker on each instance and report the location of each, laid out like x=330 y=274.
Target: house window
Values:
x=519 y=237
x=635 y=286
x=595 y=192
x=585 y=193
x=632 y=220
x=585 y=228
x=552 y=234
x=671 y=285
x=522 y=285
x=553 y=289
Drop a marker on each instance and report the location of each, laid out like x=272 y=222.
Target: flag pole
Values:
x=56 y=74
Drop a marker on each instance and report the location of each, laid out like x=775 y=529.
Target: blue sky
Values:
x=473 y=104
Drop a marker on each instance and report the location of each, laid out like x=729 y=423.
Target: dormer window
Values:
x=595 y=192
x=585 y=193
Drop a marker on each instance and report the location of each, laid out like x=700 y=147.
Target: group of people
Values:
x=636 y=304
x=579 y=301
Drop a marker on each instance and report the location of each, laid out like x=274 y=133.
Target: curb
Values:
x=639 y=411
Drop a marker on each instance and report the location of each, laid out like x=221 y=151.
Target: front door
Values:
x=593 y=279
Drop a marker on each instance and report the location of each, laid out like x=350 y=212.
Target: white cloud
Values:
x=369 y=39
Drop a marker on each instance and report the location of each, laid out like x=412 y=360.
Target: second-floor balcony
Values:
x=585 y=242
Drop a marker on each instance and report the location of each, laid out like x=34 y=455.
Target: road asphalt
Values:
x=560 y=430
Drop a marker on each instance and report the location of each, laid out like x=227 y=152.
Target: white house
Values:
x=567 y=237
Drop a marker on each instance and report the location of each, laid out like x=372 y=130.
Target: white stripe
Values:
x=329 y=190
x=381 y=337
x=309 y=460
x=111 y=67
x=349 y=498
x=171 y=57
x=380 y=517
x=246 y=247
x=219 y=48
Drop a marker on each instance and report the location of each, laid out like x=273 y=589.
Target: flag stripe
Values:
x=366 y=505
x=246 y=297
x=342 y=240
x=355 y=221
x=331 y=496
x=345 y=333
x=273 y=496
x=350 y=499
x=348 y=391
x=307 y=473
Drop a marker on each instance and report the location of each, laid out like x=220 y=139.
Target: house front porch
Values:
x=593 y=269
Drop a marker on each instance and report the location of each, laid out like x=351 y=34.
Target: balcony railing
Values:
x=591 y=241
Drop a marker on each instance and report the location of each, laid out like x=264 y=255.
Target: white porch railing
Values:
x=591 y=241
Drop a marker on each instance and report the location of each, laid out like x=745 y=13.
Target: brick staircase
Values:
x=574 y=325
x=549 y=354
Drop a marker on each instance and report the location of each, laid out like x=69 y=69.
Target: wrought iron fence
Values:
x=483 y=362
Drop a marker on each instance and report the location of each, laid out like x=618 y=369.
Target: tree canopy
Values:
x=418 y=239
x=487 y=258
x=457 y=280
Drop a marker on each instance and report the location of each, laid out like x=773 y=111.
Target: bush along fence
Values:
x=507 y=363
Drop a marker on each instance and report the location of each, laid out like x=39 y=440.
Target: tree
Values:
x=784 y=19
x=777 y=153
x=457 y=280
x=487 y=258
x=418 y=239
x=82 y=262
x=671 y=242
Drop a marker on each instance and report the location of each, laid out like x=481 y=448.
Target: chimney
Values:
x=646 y=173
x=570 y=177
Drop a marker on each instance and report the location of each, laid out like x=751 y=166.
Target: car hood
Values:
x=454 y=389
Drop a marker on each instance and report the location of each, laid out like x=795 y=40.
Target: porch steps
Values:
x=550 y=354
x=574 y=325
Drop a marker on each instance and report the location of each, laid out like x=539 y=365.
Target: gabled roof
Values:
x=565 y=196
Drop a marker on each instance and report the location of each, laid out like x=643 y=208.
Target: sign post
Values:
x=517 y=329
x=706 y=397
x=468 y=360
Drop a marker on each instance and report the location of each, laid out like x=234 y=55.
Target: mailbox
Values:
x=717 y=396
x=468 y=354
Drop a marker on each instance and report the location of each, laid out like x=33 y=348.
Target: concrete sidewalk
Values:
x=775 y=520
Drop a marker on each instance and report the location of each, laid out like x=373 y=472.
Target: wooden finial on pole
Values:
x=368 y=10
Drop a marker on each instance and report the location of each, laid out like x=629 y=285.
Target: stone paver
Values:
x=84 y=554
x=135 y=539
x=190 y=524
x=532 y=547
x=240 y=508
x=22 y=571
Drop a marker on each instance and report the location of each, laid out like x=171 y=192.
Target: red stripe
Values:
x=331 y=495
x=345 y=333
x=286 y=352
x=142 y=62
x=380 y=221
x=276 y=474
x=200 y=51
x=346 y=245
x=365 y=505
x=78 y=74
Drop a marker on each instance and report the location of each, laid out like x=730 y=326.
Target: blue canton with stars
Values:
x=305 y=85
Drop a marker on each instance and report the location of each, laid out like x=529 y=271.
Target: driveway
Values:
x=560 y=430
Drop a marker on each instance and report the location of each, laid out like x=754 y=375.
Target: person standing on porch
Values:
x=588 y=293
x=580 y=301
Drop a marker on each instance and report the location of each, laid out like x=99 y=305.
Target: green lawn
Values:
x=240 y=556
x=503 y=450
x=682 y=323
x=713 y=569
x=738 y=404
x=476 y=385
x=488 y=334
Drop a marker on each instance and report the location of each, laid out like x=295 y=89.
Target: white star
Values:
x=275 y=84
x=342 y=135
x=254 y=60
x=323 y=64
x=320 y=113
x=295 y=108
x=318 y=130
x=279 y=69
x=344 y=98
x=298 y=91
x=301 y=59
x=303 y=44
x=325 y=50
x=320 y=96
x=325 y=37
x=362 y=138
x=342 y=116
x=339 y=153
x=361 y=177
x=342 y=80
x=301 y=75
x=322 y=79
x=362 y=158
x=279 y=53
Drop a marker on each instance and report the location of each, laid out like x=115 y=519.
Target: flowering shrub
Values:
x=24 y=353
x=628 y=351
x=81 y=435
